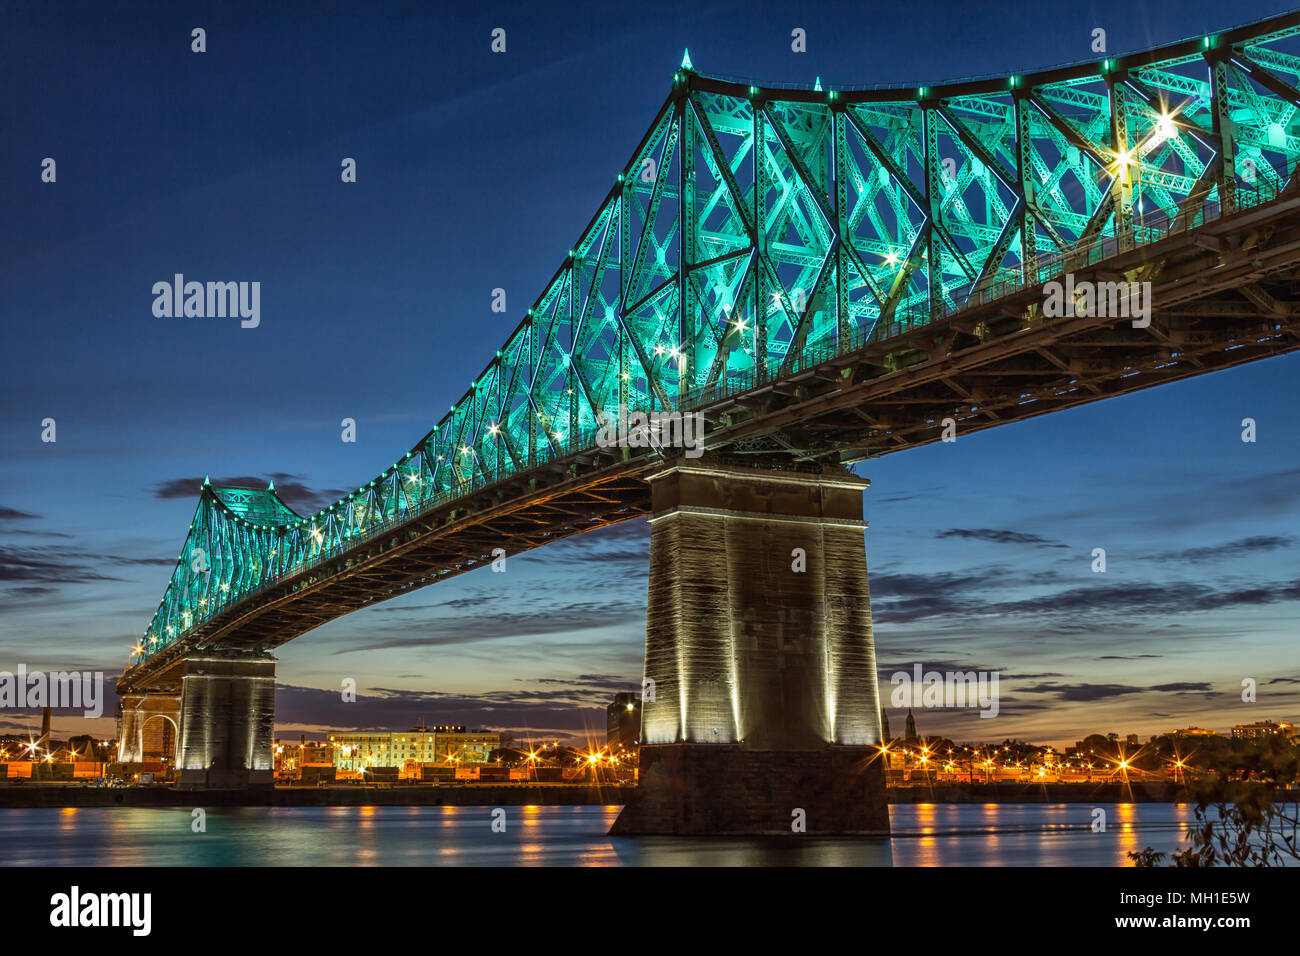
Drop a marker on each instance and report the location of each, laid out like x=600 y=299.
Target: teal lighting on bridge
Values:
x=749 y=237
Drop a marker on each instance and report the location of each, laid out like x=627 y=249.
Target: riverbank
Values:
x=504 y=795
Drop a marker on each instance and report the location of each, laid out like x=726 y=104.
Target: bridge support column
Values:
x=227 y=716
x=761 y=712
x=135 y=742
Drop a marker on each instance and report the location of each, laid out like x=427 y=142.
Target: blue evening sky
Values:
x=476 y=171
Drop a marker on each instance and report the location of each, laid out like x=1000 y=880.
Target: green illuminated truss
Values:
x=756 y=231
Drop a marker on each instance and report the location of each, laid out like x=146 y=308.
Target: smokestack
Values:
x=44 y=743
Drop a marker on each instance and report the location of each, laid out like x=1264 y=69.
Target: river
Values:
x=923 y=835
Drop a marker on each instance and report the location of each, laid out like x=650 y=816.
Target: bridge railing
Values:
x=1147 y=230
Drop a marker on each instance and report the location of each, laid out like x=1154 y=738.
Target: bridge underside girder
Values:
x=516 y=516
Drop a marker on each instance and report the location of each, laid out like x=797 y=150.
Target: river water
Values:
x=923 y=835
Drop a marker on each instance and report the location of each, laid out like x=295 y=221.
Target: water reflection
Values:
x=923 y=835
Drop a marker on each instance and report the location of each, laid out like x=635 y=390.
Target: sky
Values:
x=475 y=171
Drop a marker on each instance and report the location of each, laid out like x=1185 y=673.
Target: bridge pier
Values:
x=761 y=712
x=227 y=716
x=139 y=710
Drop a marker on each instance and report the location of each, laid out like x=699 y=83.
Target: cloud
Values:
x=60 y=564
x=33 y=591
x=13 y=514
x=625 y=545
x=1258 y=544
x=292 y=489
x=487 y=624
x=48 y=565
x=999 y=536
x=574 y=711
x=1088 y=693
x=1066 y=607
x=903 y=598
x=1083 y=692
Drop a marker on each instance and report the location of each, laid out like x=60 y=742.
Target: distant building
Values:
x=290 y=757
x=623 y=722
x=1264 y=728
x=444 y=744
x=1192 y=732
x=909 y=730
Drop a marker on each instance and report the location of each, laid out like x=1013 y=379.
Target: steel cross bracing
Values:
x=758 y=233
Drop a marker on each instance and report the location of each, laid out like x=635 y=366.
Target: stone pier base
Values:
x=707 y=789
x=227 y=716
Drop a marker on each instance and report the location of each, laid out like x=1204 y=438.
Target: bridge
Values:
x=824 y=275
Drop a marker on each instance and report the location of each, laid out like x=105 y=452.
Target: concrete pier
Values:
x=227 y=717
x=761 y=712
x=150 y=722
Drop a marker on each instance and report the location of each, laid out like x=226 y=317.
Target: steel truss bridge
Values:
x=827 y=275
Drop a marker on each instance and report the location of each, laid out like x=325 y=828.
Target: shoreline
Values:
x=469 y=795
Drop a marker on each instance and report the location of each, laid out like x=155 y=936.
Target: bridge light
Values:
x=1166 y=127
x=892 y=258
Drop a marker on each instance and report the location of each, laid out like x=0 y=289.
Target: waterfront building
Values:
x=1264 y=728
x=419 y=745
x=291 y=757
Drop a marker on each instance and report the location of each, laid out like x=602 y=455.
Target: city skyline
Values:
x=979 y=552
